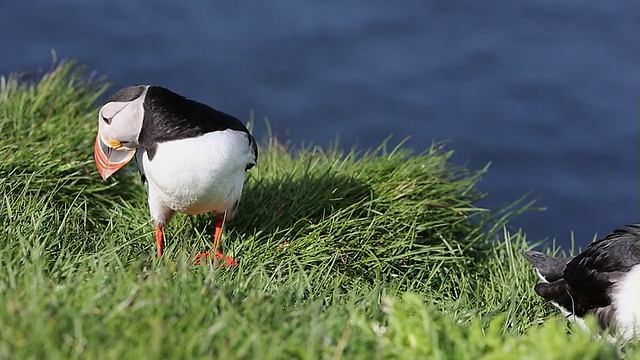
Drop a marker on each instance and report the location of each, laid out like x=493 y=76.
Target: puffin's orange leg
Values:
x=217 y=253
x=217 y=236
x=159 y=240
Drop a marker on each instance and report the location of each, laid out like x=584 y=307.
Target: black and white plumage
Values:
x=603 y=281
x=192 y=156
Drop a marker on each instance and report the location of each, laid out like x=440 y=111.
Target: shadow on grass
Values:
x=269 y=205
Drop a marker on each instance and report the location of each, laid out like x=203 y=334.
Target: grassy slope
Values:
x=377 y=255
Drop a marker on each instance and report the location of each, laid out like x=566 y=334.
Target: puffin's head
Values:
x=119 y=126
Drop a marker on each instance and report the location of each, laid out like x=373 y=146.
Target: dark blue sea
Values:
x=546 y=91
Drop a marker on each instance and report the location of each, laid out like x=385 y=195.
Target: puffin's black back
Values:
x=616 y=252
x=170 y=116
x=592 y=273
x=587 y=280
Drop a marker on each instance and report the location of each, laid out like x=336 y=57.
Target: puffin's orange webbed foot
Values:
x=220 y=260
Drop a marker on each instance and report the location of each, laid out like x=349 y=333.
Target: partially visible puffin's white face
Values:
x=119 y=126
x=121 y=122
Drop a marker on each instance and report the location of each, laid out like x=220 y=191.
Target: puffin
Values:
x=191 y=156
x=602 y=281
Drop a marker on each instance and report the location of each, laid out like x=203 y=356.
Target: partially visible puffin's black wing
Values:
x=254 y=150
x=140 y=171
x=592 y=273
x=549 y=267
x=560 y=293
x=169 y=116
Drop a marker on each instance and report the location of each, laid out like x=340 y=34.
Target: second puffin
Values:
x=192 y=156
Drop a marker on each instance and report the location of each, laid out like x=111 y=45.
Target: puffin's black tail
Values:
x=549 y=268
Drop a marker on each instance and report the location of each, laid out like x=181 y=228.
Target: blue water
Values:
x=546 y=92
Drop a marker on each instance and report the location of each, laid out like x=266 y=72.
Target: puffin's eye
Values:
x=106 y=119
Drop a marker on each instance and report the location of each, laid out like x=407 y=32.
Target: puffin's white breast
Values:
x=198 y=175
x=626 y=301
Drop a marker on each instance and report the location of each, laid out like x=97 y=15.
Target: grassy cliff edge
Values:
x=341 y=255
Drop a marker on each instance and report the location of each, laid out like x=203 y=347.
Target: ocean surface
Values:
x=545 y=91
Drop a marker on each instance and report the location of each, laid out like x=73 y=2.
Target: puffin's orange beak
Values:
x=110 y=158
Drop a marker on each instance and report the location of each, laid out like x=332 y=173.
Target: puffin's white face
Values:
x=119 y=126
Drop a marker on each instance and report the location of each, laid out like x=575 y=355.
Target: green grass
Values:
x=342 y=254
